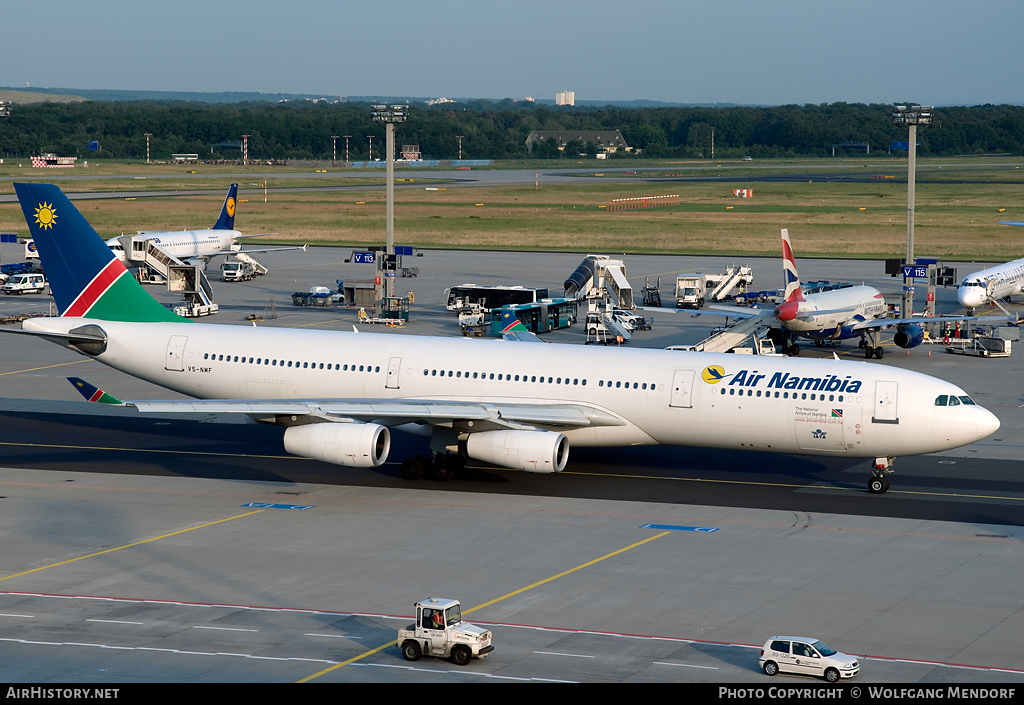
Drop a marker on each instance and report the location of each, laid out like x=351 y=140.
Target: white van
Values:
x=25 y=284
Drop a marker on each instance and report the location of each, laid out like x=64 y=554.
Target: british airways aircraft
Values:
x=339 y=395
x=838 y=314
x=185 y=245
x=992 y=284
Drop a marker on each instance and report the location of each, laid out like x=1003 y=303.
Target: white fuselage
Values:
x=791 y=405
x=979 y=288
x=826 y=313
x=184 y=244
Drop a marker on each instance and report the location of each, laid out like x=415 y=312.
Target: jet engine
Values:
x=354 y=445
x=533 y=451
x=909 y=336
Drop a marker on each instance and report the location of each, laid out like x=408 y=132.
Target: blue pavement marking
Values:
x=670 y=527
x=265 y=505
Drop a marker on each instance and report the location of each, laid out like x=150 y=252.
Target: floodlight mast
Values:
x=911 y=117
x=389 y=116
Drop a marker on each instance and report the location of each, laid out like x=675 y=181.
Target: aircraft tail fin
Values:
x=790 y=278
x=85 y=276
x=226 y=221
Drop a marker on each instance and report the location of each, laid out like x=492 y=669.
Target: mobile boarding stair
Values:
x=734 y=277
x=726 y=339
x=189 y=280
x=242 y=257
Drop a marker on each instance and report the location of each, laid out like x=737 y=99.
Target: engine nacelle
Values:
x=354 y=445
x=909 y=336
x=533 y=451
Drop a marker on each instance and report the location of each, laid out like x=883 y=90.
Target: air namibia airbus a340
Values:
x=513 y=404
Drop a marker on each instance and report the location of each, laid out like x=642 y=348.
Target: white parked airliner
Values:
x=512 y=404
x=186 y=245
x=988 y=285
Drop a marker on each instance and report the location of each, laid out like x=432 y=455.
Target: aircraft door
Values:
x=394 y=369
x=175 y=358
x=682 y=389
x=885 y=403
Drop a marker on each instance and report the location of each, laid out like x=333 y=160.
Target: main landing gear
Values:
x=870 y=347
x=879 y=482
x=438 y=466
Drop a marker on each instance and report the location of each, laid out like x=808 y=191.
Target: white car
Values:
x=807 y=656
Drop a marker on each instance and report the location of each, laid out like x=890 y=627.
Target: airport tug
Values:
x=439 y=631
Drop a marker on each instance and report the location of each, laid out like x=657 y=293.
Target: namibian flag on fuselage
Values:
x=85 y=276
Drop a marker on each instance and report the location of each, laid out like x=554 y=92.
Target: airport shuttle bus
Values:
x=489 y=298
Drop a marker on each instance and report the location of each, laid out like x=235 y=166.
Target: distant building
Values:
x=565 y=98
x=607 y=141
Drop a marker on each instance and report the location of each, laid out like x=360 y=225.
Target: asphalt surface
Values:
x=196 y=550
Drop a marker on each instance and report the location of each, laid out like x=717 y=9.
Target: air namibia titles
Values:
x=784 y=380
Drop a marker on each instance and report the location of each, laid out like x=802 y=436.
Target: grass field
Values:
x=856 y=218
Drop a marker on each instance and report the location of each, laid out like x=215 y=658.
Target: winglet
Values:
x=516 y=331
x=92 y=393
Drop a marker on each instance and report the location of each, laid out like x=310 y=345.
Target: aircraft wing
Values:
x=887 y=322
x=716 y=310
x=247 y=251
x=387 y=412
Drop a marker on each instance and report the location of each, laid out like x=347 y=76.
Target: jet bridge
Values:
x=189 y=280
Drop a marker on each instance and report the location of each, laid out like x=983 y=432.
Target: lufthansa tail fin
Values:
x=790 y=278
x=85 y=276
x=226 y=221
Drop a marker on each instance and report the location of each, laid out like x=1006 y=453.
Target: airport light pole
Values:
x=389 y=116
x=911 y=117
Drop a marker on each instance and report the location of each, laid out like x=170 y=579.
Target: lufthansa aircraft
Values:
x=185 y=245
x=992 y=284
x=512 y=404
x=838 y=314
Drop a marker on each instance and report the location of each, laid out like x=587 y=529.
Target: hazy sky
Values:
x=938 y=52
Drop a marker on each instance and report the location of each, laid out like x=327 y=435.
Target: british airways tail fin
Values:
x=85 y=276
x=226 y=221
x=790 y=278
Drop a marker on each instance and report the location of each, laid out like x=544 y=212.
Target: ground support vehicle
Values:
x=690 y=290
x=440 y=632
x=237 y=271
x=34 y=283
x=807 y=656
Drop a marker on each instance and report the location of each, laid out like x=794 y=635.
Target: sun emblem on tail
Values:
x=230 y=205
x=46 y=216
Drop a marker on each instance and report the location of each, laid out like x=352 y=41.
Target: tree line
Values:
x=492 y=130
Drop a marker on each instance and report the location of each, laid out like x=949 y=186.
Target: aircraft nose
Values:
x=787 y=311
x=988 y=423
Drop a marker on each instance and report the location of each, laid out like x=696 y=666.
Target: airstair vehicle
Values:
x=189 y=280
x=733 y=337
x=733 y=278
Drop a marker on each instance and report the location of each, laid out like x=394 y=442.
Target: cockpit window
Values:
x=953 y=401
x=942 y=400
x=967 y=400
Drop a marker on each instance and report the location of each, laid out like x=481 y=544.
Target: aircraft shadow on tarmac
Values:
x=123 y=442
